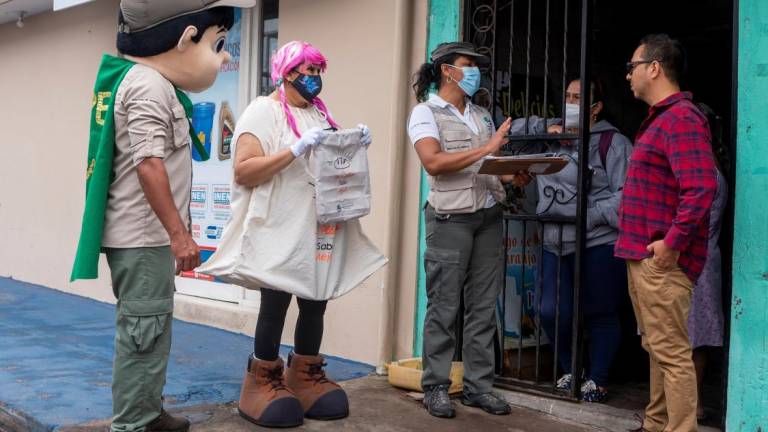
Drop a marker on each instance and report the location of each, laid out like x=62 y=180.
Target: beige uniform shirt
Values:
x=149 y=122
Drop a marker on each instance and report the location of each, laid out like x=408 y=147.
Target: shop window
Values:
x=269 y=20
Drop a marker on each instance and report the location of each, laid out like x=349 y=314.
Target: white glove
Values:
x=366 y=138
x=310 y=138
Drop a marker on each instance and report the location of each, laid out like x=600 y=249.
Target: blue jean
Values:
x=606 y=283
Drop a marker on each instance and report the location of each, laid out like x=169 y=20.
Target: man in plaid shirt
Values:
x=663 y=226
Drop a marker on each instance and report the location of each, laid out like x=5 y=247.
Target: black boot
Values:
x=438 y=403
x=167 y=423
x=489 y=402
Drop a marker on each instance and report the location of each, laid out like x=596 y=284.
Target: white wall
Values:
x=46 y=82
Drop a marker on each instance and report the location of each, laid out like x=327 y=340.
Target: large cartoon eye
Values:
x=218 y=46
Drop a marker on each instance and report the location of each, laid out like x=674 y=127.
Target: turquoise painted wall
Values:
x=748 y=364
x=443 y=26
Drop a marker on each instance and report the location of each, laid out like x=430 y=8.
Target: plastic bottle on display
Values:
x=227 y=130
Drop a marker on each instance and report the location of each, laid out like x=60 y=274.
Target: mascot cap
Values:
x=141 y=15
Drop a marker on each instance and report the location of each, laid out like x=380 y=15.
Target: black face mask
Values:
x=308 y=86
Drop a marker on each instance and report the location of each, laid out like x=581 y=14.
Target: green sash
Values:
x=101 y=149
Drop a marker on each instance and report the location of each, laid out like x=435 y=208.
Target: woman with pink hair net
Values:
x=271 y=140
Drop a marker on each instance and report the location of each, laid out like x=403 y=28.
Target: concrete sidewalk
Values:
x=56 y=360
x=375 y=406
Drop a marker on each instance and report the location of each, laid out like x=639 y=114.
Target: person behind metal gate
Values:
x=664 y=226
x=706 y=320
x=463 y=216
x=606 y=280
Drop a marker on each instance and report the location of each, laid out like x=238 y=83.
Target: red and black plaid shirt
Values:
x=671 y=181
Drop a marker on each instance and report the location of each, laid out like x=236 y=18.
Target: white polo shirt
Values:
x=422 y=125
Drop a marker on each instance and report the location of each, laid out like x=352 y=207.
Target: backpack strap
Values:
x=606 y=138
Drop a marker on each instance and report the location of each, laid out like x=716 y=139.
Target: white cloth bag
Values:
x=342 y=179
x=273 y=239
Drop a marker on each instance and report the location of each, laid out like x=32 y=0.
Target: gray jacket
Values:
x=557 y=192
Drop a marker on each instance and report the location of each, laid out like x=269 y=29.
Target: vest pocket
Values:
x=454 y=193
x=456 y=141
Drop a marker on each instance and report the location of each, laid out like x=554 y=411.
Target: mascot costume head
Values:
x=182 y=39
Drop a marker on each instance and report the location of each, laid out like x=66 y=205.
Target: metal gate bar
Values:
x=584 y=181
x=526 y=107
x=511 y=54
x=565 y=52
x=546 y=62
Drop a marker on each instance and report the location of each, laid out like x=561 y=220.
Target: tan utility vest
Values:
x=464 y=191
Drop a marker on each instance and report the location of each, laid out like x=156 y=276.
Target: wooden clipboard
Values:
x=504 y=165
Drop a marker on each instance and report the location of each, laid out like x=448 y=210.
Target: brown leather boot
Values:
x=265 y=400
x=167 y=423
x=321 y=398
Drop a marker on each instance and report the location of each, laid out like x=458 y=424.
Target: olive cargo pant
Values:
x=463 y=251
x=143 y=283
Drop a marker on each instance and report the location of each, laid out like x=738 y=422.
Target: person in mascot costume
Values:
x=138 y=186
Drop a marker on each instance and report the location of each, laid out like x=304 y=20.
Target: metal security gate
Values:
x=533 y=47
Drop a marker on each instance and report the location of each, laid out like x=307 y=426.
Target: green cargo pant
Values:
x=143 y=283
x=463 y=251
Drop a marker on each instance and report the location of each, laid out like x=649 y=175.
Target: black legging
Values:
x=269 y=326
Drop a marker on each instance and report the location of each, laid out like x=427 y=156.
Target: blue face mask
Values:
x=471 y=81
x=308 y=86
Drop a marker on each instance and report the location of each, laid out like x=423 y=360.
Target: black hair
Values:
x=596 y=93
x=429 y=74
x=667 y=51
x=163 y=37
x=719 y=149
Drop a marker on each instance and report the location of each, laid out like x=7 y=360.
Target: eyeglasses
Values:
x=631 y=65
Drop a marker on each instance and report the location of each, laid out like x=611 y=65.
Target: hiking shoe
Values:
x=438 y=403
x=565 y=382
x=167 y=423
x=321 y=398
x=590 y=392
x=264 y=398
x=489 y=402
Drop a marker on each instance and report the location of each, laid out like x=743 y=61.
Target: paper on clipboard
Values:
x=523 y=156
x=540 y=164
